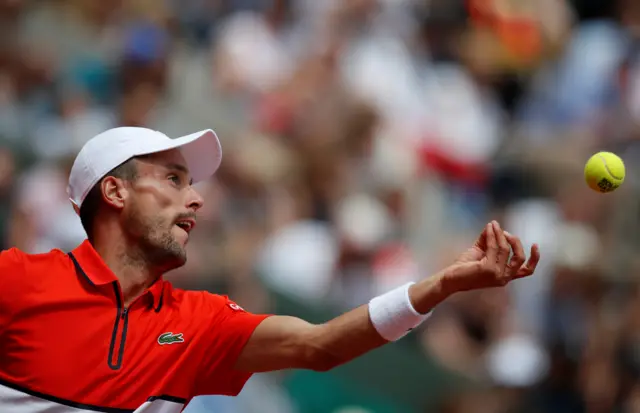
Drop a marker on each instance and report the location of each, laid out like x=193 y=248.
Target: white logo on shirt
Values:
x=235 y=307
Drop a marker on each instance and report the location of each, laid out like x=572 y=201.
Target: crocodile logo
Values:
x=170 y=338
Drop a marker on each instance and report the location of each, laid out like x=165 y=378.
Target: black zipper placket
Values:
x=121 y=314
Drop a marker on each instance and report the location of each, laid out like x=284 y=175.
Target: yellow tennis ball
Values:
x=604 y=172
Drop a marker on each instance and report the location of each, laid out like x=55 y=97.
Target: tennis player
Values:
x=98 y=329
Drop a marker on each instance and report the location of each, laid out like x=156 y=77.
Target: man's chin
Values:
x=178 y=257
x=173 y=264
x=170 y=256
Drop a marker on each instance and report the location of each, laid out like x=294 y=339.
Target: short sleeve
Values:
x=227 y=334
x=12 y=270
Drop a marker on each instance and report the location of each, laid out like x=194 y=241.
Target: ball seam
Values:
x=604 y=162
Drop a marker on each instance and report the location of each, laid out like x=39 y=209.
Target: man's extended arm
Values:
x=281 y=342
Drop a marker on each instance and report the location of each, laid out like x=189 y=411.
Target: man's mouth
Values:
x=187 y=224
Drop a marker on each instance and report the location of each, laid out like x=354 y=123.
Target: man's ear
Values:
x=114 y=191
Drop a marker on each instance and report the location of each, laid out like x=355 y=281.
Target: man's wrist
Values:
x=393 y=315
x=427 y=294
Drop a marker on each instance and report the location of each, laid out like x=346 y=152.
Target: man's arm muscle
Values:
x=281 y=342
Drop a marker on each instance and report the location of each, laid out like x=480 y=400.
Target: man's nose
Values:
x=195 y=200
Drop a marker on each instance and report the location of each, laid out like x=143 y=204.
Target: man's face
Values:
x=160 y=209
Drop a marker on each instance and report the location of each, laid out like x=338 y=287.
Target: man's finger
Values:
x=518 y=257
x=503 y=246
x=492 y=244
x=530 y=267
x=481 y=242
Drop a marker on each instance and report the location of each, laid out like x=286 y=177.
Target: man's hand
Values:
x=477 y=251
x=487 y=263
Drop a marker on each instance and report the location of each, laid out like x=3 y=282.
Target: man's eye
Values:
x=175 y=179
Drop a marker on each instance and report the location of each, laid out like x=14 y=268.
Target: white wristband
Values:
x=392 y=314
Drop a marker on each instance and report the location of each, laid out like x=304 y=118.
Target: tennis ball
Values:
x=604 y=172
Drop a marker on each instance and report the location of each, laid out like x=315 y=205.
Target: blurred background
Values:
x=366 y=143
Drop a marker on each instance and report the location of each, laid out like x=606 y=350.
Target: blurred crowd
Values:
x=366 y=143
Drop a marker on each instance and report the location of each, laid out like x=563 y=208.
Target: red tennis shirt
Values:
x=67 y=344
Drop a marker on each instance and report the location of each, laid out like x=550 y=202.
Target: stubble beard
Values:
x=156 y=242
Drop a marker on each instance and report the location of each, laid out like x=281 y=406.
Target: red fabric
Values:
x=65 y=335
x=452 y=169
x=229 y=332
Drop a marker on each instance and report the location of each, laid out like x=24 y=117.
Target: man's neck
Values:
x=127 y=263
